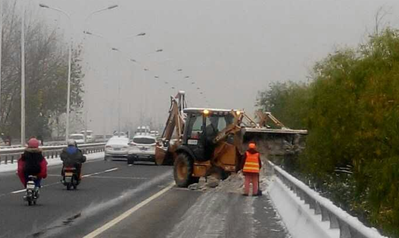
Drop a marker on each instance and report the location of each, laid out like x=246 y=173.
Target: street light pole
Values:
x=86 y=32
x=23 y=76
x=69 y=67
x=1 y=44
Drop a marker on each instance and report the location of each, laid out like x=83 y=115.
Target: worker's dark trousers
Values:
x=254 y=179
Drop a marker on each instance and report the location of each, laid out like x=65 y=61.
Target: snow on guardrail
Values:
x=341 y=224
x=12 y=154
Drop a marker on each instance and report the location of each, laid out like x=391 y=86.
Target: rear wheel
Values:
x=183 y=170
x=29 y=203
x=130 y=160
x=68 y=186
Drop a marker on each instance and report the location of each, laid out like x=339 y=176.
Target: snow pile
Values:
x=233 y=184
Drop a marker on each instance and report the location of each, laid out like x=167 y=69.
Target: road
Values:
x=115 y=200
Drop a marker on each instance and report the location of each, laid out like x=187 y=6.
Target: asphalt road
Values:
x=115 y=200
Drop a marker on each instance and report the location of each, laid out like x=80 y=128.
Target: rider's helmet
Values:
x=71 y=142
x=33 y=143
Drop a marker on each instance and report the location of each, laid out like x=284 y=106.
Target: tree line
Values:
x=351 y=110
x=46 y=68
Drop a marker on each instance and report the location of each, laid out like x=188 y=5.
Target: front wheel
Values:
x=183 y=170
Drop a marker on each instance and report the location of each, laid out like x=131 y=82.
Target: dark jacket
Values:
x=32 y=162
x=72 y=156
x=244 y=158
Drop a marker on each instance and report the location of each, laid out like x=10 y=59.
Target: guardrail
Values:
x=48 y=143
x=349 y=226
x=11 y=155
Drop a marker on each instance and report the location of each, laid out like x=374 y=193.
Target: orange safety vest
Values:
x=251 y=163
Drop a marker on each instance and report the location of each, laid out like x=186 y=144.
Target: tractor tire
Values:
x=183 y=170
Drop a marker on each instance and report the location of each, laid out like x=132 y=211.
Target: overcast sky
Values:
x=230 y=49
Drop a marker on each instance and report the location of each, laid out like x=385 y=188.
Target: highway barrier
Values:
x=11 y=155
x=308 y=214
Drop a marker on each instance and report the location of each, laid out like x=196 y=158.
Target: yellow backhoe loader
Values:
x=204 y=141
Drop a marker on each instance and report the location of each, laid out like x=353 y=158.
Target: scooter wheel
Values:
x=29 y=203
x=68 y=187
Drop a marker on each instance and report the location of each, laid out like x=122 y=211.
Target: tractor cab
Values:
x=202 y=127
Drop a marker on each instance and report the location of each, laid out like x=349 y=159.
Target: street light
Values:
x=108 y=46
x=69 y=67
x=101 y=10
x=23 y=76
x=85 y=31
x=70 y=56
x=1 y=43
x=119 y=99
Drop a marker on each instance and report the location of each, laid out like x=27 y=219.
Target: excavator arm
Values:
x=173 y=129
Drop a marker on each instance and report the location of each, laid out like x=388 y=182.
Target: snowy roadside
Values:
x=228 y=213
x=51 y=162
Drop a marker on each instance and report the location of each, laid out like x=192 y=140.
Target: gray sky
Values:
x=231 y=49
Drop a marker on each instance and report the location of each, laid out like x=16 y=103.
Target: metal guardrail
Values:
x=11 y=155
x=48 y=143
x=349 y=226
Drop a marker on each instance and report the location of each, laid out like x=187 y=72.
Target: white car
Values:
x=117 y=147
x=89 y=136
x=142 y=148
x=79 y=138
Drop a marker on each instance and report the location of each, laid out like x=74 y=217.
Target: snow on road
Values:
x=224 y=212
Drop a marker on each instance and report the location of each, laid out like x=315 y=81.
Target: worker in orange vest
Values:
x=251 y=167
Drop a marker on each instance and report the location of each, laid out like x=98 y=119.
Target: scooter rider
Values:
x=72 y=157
x=32 y=162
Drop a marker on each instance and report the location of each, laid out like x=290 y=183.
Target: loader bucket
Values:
x=160 y=155
x=274 y=142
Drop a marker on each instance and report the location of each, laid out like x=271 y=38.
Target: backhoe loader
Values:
x=203 y=141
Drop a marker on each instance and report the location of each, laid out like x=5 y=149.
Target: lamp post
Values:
x=69 y=66
x=23 y=76
x=70 y=59
x=119 y=99
x=1 y=43
x=88 y=33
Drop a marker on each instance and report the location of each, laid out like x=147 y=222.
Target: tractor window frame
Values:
x=194 y=128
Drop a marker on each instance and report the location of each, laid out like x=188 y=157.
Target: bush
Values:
x=351 y=111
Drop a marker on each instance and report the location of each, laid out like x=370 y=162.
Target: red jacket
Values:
x=21 y=166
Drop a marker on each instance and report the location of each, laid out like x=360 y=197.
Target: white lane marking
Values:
x=84 y=176
x=116 y=177
x=43 y=186
x=110 y=170
x=105 y=171
x=127 y=213
x=19 y=191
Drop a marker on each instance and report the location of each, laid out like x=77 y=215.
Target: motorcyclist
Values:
x=72 y=156
x=32 y=162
